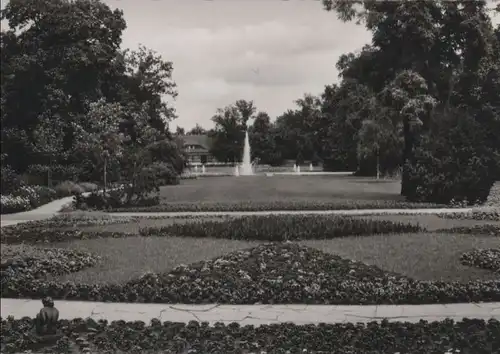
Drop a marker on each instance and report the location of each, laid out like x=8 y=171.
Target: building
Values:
x=197 y=148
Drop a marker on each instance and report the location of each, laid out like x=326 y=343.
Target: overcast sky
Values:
x=268 y=51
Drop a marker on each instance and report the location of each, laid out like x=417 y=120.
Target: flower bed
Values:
x=282 y=228
x=279 y=205
x=466 y=336
x=489 y=215
x=21 y=263
x=26 y=198
x=281 y=273
x=483 y=258
x=486 y=229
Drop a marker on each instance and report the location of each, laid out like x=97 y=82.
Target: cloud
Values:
x=271 y=52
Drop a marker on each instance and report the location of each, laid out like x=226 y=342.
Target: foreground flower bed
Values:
x=469 y=336
x=280 y=205
x=280 y=273
x=483 y=258
x=282 y=228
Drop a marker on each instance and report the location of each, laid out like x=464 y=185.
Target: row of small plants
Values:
x=488 y=215
x=483 y=258
x=469 y=336
x=281 y=273
x=278 y=205
x=282 y=228
x=486 y=229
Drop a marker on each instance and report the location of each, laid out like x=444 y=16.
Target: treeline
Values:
x=74 y=106
x=423 y=97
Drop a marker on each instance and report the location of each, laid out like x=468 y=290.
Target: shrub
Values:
x=114 y=198
x=467 y=336
x=14 y=204
x=10 y=180
x=483 y=258
x=88 y=187
x=26 y=198
x=452 y=163
x=282 y=228
x=68 y=188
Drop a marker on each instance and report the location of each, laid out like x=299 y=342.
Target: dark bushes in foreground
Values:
x=281 y=273
x=469 y=336
x=283 y=227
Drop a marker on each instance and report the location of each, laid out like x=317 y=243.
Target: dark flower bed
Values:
x=483 y=258
x=486 y=229
x=49 y=235
x=489 y=215
x=283 y=227
x=22 y=264
x=270 y=273
x=469 y=336
x=280 y=205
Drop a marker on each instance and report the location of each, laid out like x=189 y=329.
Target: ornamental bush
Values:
x=452 y=162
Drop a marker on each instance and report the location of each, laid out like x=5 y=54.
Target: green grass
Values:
x=424 y=256
x=125 y=259
x=277 y=188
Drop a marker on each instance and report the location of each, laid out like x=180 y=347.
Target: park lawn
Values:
x=280 y=188
x=128 y=258
x=422 y=256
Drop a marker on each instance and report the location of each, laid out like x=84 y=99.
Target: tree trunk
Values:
x=408 y=147
x=105 y=174
x=378 y=163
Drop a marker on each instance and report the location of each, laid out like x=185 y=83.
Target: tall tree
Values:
x=446 y=46
x=55 y=57
x=229 y=132
x=262 y=140
x=197 y=130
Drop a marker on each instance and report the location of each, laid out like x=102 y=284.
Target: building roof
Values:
x=202 y=140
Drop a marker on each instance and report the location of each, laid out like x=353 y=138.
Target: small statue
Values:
x=46 y=320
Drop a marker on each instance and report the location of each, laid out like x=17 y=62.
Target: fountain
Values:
x=295 y=168
x=311 y=167
x=298 y=170
x=246 y=166
x=203 y=170
x=236 y=170
x=196 y=168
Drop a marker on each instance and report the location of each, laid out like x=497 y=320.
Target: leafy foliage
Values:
x=195 y=337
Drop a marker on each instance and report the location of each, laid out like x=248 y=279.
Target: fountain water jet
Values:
x=246 y=166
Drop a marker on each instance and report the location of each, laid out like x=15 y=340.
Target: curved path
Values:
x=254 y=314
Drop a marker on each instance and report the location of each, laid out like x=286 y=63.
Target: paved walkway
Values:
x=253 y=314
x=43 y=212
